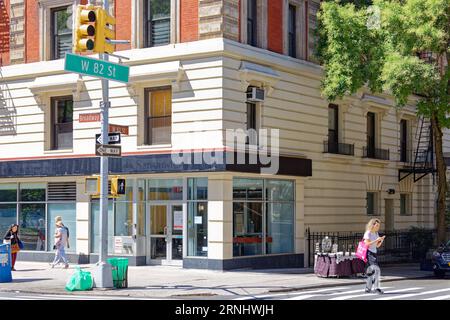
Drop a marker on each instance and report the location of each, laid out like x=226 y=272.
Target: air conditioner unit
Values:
x=255 y=95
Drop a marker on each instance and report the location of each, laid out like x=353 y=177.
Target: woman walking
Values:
x=12 y=237
x=60 y=244
x=373 y=241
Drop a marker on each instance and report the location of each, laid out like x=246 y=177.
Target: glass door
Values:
x=166 y=234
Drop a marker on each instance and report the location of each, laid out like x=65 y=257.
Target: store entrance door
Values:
x=166 y=234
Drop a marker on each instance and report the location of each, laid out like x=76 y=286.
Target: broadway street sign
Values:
x=103 y=150
x=96 y=68
x=113 y=138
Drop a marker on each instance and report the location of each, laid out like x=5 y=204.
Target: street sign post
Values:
x=113 y=138
x=96 y=68
x=105 y=150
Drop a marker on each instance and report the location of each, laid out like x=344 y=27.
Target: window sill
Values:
x=58 y=151
x=338 y=156
x=376 y=161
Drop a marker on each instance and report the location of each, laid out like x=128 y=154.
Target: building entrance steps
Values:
x=176 y=282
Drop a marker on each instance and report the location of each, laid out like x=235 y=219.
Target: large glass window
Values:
x=67 y=211
x=263 y=216
x=8 y=216
x=141 y=208
x=157 y=22
x=61 y=31
x=32 y=226
x=197 y=217
x=8 y=192
x=165 y=189
x=32 y=192
x=62 y=122
x=158 y=115
x=95 y=226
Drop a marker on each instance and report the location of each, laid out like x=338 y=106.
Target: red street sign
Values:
x=89 y=117
x=117 y=128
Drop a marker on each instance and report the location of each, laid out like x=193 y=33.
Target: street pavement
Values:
x=168 y=282
x=417 y=289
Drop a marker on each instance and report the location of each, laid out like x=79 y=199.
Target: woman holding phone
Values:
x=373 y=241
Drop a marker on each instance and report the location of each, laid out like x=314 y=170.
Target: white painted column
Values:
x=220 y=208
x=300 y=246
x=82 y=218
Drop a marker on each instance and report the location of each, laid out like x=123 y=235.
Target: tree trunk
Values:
x=441 y=168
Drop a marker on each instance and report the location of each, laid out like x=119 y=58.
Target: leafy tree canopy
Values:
x=377 y=44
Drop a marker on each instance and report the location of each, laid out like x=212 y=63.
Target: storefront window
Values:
x=198 y=217
x=141 y=208
x=263 y=222
x=32 y=192
x=8 y=216
x=123 y=219
x=8 y=192
x=165 y=189
x=67 y=211
x=32 y=226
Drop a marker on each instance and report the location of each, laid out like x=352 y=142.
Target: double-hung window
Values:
x=62 y=122
x=157 y=22
x=61 y=31
x=292 y=32
x=158 y=116
x=252 y=26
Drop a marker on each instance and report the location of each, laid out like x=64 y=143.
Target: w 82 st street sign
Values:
x=96 y=68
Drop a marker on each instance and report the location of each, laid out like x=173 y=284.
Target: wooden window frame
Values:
x=147 y=95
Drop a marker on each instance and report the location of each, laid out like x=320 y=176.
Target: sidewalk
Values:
x=176 y=282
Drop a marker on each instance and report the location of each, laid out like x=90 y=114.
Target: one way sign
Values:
x=113 y=138
x=107 y=150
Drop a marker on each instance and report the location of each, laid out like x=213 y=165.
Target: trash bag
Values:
x=80 y=281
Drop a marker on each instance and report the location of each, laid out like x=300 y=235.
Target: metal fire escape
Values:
x=422 y=161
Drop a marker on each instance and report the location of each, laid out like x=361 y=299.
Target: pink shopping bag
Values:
x=361 y=252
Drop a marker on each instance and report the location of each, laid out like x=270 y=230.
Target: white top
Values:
x=372 y=236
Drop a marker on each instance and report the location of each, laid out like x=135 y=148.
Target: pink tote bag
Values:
x=361 y=252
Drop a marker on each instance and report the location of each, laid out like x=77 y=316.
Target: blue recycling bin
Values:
x=5 y=263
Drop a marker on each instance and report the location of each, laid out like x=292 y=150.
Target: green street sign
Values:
x=96 y=68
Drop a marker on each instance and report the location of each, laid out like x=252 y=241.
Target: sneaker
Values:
x=13 y=269
x=66 y=266
x=379 y=291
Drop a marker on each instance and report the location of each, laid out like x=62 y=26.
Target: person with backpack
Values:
x=12 y=237
x=61 y=242
x=373 y=241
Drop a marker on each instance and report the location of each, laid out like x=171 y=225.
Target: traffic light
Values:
x=104 y=31
x=85 y=27
x=92 y=185
x=117 y=186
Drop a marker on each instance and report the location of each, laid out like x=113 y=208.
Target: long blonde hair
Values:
x=371 y=223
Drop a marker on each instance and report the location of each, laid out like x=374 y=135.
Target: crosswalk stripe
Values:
x=304 y=297
x=414 y=294
x=364 y=293
x=287 y=293
x=447 y=297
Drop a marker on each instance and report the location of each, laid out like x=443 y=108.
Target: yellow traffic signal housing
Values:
x=117 y=186
x=104 y=31
x=85 y=27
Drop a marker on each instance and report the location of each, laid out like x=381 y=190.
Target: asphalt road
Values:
x=419 y=289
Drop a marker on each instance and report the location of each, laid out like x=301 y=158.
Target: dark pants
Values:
x=373 y=271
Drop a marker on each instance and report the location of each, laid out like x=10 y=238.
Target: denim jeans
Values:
x=60 y=254
x=373 y=271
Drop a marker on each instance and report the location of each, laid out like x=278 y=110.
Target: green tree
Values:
x=378 y=47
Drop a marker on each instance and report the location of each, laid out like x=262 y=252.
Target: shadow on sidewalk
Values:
x=30 y=280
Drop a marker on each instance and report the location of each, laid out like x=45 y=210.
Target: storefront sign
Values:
x=178 y=220
x=89 y=117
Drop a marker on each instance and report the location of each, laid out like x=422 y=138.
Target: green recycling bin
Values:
x=119 y=272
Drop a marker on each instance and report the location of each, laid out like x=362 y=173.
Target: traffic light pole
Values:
x=104 y=272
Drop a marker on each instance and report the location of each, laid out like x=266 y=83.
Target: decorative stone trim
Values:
x=256 y=74
x=44 y=87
